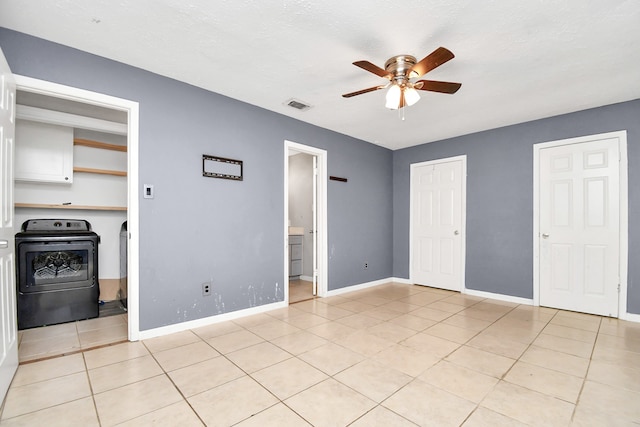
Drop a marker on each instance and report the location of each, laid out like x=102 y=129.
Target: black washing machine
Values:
x=57 y=272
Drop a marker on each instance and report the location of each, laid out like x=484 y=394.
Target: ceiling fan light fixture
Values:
x=411 y=96
x=393 y=97
x=400 y=70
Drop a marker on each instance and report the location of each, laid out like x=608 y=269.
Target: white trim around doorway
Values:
x=624 y=215
x=28 y=84
x=321 y=208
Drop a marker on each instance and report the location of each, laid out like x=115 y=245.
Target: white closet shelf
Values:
x=98 y=144
x=99 y=171
x=76 y=207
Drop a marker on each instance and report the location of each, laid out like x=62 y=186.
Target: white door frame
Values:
x=463 y=218
x=624 y=213
x=28 y=84
x=321 y=214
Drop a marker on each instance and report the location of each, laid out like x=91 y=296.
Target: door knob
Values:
x=545 y=235
x=456 y=232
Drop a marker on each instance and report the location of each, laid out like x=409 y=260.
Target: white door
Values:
x=437 y=238
x=579 y=229
x=8 y=319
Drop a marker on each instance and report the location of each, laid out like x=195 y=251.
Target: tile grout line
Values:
x=175 y=386
x=478 y=405
x=71 y=353
x=586 y=374
x=255 y=380
x=501 y=379
x=246 y=374
x=93 y=395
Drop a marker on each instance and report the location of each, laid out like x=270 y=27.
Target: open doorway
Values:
x=302 y=227
x=105 y=124
x=305 y=222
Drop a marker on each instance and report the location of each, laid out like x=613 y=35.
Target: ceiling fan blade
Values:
x=372 y=68
x=360 y=92
x=433 y=60
x=436 y=86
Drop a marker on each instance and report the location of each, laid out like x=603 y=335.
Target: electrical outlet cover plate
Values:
x=206 y=289
x=147 y=191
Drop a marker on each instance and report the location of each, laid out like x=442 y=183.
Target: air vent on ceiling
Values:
x=297 y=104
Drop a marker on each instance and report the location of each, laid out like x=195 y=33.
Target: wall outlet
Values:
x=206 y=289
x=147 y=191
x=366 y=265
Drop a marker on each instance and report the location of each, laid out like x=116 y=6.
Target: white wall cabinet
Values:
x=295 y=256
x=44 y=152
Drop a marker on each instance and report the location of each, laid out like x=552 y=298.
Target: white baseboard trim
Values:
x=499 y=297
x=630 y=317
x=206 y=321
x=359 y=287
x=401 y=280
x=306 y=278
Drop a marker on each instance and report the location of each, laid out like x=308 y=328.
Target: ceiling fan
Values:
x=400 y=69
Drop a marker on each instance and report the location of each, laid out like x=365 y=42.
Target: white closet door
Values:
x=437 y=232
x=580 y=226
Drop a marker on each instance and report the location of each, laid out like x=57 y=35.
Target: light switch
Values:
x=148 y=191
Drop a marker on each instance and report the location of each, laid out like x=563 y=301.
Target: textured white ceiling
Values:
x=517 y=60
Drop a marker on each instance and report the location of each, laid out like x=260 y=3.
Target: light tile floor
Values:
x=72 y=337
x=393 y=355
x=300 y=290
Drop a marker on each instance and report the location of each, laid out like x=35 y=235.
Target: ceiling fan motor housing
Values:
x=400 y=68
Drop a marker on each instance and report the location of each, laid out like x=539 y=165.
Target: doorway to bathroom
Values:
x=305 y=222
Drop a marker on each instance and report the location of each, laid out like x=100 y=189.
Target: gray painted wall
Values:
x=499 y=242
x=199 y=229
x=230 y=233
